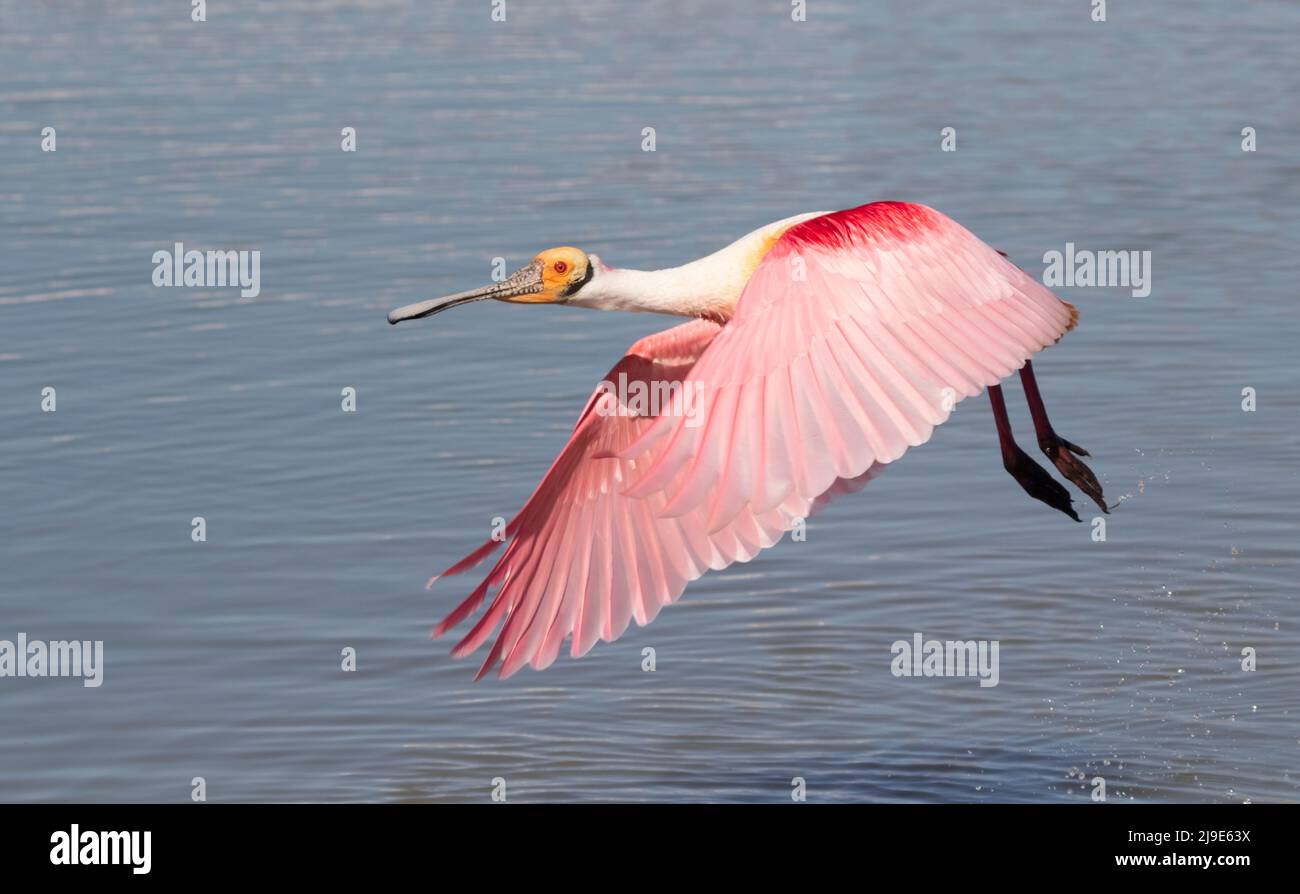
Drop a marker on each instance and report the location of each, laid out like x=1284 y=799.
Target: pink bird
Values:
x=820 y=348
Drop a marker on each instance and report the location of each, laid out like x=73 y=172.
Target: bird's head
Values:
x=553 y=277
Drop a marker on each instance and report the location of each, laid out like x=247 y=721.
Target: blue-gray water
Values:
x=478 y=139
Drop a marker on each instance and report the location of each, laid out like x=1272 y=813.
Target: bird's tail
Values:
x=1074 y=316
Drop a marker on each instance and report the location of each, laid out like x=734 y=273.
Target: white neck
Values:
x=708 y=287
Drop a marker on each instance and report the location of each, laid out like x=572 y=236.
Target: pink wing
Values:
x=853 y=339
x=582 y=559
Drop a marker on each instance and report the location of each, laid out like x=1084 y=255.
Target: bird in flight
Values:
x=818 y=349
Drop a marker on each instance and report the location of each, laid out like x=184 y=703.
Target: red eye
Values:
x=560 y=266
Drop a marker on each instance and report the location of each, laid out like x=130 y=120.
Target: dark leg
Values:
x=1031 y=476
x=1060 y=451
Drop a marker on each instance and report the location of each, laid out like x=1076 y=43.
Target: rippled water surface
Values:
x=476 y=140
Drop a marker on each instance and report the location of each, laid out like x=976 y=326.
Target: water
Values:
x=475 y=140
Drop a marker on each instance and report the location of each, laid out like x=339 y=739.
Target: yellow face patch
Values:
x=562 y=269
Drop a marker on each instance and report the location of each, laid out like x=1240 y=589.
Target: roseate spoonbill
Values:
x=823 y=346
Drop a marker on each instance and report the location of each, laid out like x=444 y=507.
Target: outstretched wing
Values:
x=854 y=337
x=581 y=559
